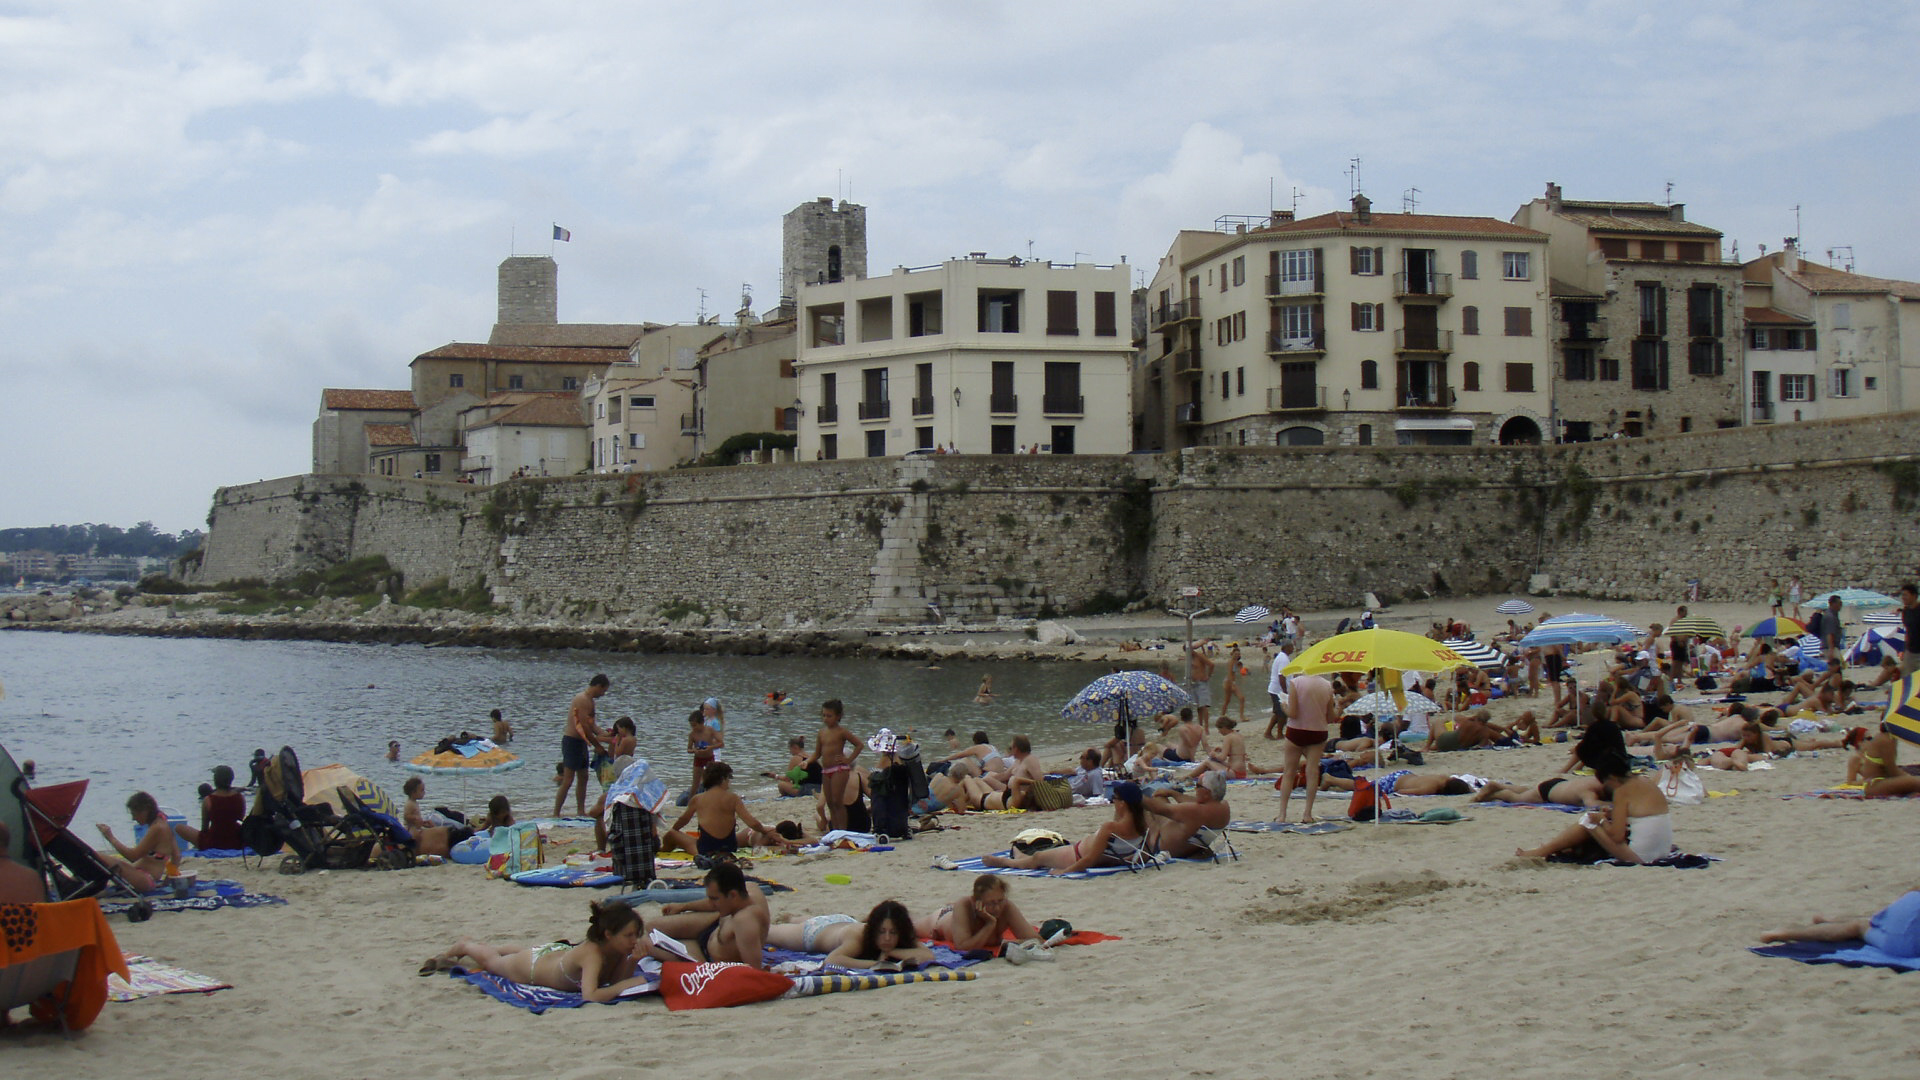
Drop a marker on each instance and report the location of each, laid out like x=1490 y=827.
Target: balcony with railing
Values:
x=1280 y=286
x=876 y=410
x=923 y=406
x=1284 y=344
x=827 y=414
x=1594 y=329
x=1296 y=399
x=1175 y=313
x=689 y=423
x=1003 y=404
x=1187 y=412
x=1422 y=399
x=1422 y=341
x=1409 y=286
x=1186 y=361
x=1063 y=405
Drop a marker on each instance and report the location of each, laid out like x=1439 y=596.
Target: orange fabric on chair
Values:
x=31 y=931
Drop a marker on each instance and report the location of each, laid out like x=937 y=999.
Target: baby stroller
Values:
x=369 y=837
x=281 y=817
x=37 y=820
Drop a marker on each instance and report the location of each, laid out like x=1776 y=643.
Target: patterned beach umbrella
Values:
x=1580 y=627
x=1123 y=695
x=1252 y=613
x=1777 y=626
x=456 y=762
x=1903 y=713
x=1381 y=703
x=1514 y=607
x=1855 y=598
x=1874 y=645
x=1696 y=626
x=1478 y=653
x=1882 y=618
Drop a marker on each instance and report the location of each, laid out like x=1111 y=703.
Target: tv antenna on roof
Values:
x=1410 y=200
x=1353 y=177
x=1797 y=234
x=1297 y=193
x=1843 y=254
x=702 y=315
x=1669 y=193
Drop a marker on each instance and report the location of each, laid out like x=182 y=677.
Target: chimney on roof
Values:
x=1677 y=211
x=1790 y=253
x=1553 y=196
x=1281 y=217
x=1362 y=210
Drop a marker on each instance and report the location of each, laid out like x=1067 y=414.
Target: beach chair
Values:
x=393 y=846
x=45 y=977
x=1218 y=842
x=72 y=869
x=1135 y=855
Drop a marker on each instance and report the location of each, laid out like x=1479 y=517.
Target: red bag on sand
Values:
x=715 y=986
x=1365 y=798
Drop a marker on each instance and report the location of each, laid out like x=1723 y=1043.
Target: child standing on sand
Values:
x=704 y=742
x=836 y=765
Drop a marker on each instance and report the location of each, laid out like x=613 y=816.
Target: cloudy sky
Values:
x=212 y=210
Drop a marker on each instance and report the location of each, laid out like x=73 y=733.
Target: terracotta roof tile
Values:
x=1826 y=279
x=545 y=412
x=569 y=335
x=1391 y=224
x=389 y=435
x=1664 y=226
x=386 y=400
x=527 y=354
x=1766 y=316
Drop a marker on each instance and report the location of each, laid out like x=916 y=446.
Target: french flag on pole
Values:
x=562 y=234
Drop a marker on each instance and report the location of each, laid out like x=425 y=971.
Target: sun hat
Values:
x=882 y=742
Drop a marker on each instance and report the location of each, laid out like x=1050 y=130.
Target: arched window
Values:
x=833 y=263
x=1369 y=375
x=1300 y=436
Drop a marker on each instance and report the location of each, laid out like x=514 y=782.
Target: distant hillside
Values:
x=143 y=540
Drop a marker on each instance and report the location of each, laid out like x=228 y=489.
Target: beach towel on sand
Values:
x=538 y=999
x=1318 y=828
x=1855 y=953
x=166 y=902
x=148 y=977
x=974 y=865
x=1675 y=860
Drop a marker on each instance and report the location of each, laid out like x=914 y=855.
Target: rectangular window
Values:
x=1366 y=317
x=1104 y=324
x=1653 y=309
x=1757 y=337
x=1840 y=382
x=1364 y=261
x=1703 y=311
x=1470 y=265
x=1609 y=369
x=999 y=311
x=1062 y=440
x=1691 y=252
x=645 y=401
x=829 y=447
x=1240 y=381
x=1001 y=398
x=877 y=442
x=1470 y=377
x=1705 y=357
x=1226 y=386
x=1579 y=366
x=1519 y=378
x=516 y=382
x=1613 y=247
x=1516 y=265
x=1649 y=365
x=568 y=382
x=1223 y=277
x=600 y=409
x=636 y=440
x=923 y=389
x=1296 y=265
x=1063 y=311
x=923 y=438
x=1240 y=270
x=433 y=463
x=1843 y=316
x=1469 y=320
x=873 y=399
x=1296 y=322
x=1239 y=326
x=456 y=380
x=1796 y=388
x=1653 y=249
x=1519 y=322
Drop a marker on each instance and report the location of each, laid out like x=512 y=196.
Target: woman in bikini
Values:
x=1636 y=828
x=600 y=970
x=1236 y=667
x=979 y=920
x=1566 y=791
x=144 y=865
x=1880 y=768
x=984 y=696
x=887 y=937
x=1110 y=845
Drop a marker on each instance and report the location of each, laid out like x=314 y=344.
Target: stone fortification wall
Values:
x=882 y=539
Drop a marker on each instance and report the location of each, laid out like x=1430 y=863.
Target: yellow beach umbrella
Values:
x=1363 y=650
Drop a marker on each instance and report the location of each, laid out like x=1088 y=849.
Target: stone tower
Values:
x=529 y=290
x=822 y=242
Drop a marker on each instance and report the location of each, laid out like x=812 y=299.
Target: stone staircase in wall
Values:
x=899 y=593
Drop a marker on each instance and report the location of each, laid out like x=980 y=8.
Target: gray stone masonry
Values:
x=529 y=290
x=809 y=233
x=876 y=540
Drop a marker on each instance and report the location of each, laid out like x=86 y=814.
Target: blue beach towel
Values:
x=1318 y=828
x=570 y=877
x=538 y=999
x=1854 y=953
x=166 y=902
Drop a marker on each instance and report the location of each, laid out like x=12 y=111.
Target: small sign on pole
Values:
x=1189 y=590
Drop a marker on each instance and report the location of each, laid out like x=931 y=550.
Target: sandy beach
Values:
x=1382 y=950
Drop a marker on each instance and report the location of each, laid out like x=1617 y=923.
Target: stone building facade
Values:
x=1648 y=319
x=529 y=292
x=820 y=243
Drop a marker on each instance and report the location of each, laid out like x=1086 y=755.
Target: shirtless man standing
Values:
x=1182 y=817
x=730 y=925
x=1310 y=712
x=830 y=752
x=1200 y=680
x=582 y=735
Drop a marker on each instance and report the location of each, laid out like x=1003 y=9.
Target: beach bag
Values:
x=1366 y=801
x=513 y=849
x=1029 y=841
x=1681 y=785
x=716 y=986
x=890 y=802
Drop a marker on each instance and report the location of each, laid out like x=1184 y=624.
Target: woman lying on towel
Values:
x=599 y=970
x=1111 y=845
x=1636 y=827
x=979 y=920
x=1894 y=929
x=887 y=937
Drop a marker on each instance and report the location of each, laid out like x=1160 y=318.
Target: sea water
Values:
x=157 y=714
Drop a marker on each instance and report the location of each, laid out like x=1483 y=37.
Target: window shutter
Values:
x=1379 y=260
x=1319 y=270
x=1663 y=358
x=1353 y=263
x=1356 y=315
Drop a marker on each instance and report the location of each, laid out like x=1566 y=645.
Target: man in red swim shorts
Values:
x=1309 y=713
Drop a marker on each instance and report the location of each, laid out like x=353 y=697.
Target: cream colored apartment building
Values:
x=976 y=355
x=641 y=419
x=1351 y=328
x=1825 y=342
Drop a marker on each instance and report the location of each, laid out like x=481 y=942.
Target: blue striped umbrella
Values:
x=1482 y=655
x=1125 y=694
x=1882 y=618
x=1514 y=607
x=1855 y=598
x=1580 y=627
x=1874 y=645
x=1903 y=713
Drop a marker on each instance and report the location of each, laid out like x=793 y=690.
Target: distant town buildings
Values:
x=1824 y=342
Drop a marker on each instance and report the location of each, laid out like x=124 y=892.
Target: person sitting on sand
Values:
x=433 y=831
x=1566 y=791
x=1025 y=775
x=499 y=813
x=981 y=919
x=1125 y=744
x=989 y=759
x=1178 y=835
x=1089 y=781
x=221 y=811
x=1894 y=929
x=886 y=937
x=144 y=865
x=19 y=884
x=730 y=925
x=1636 y=829
x=720 y=810
x=1180 y=738
x=1113 y=843
x=801 y=778
x=1880 y=768
x=600 y=970
x=1229 y=758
